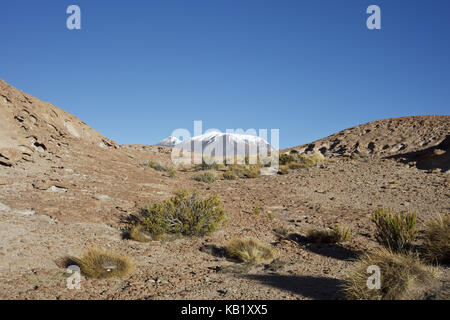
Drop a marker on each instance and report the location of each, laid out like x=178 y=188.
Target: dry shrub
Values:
x=394 y=231
x=248 y=251
x=287 y=158
x=184 y=214
x=100 y=264
x=245 y=171
x=207 y=177
x=402 y=277
x=155 y=165
x=334 y=235
x=436 y=245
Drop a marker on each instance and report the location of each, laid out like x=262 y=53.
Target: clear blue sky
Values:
x=139 y=69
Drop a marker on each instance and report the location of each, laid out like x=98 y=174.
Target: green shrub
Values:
x=402 y=276
x=334 y=235
x=436 y=245
x=394 y=231
x=207 y=177
x=248 y=251
x=184 y=214
x=100 y=264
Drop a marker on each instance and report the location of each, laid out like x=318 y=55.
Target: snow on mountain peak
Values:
x=169 y=142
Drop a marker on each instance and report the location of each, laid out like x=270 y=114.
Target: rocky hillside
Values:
x=383 y=137
x=31 y=128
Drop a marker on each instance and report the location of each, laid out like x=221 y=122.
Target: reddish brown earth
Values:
x=64 y=187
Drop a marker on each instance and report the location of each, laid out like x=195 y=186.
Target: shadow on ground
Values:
x=330 y=250
x=334 y=251
x=318 y=288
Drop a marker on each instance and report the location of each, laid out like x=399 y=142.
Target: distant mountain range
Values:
x=219 y=144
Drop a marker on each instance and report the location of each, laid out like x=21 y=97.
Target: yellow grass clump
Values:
x=100 y=264
x=436 y=245
x=402 y=276
x=248 y=251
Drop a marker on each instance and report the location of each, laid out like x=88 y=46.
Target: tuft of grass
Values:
x=283 y=170
x=256 y=210
x=230 y=175
x=281 y=232
x=184 y=214
x=137 y=233
x=205 y=166
x=394 y=231
x=248 y=251
x=436 y=245
x=335 y=235
x=207 y=177
x=171 y=173
x=101 y=264
x=402 y=276
x=155 y=165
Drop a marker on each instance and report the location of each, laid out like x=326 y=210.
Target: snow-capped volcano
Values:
x=169 y=142
x=225 y=144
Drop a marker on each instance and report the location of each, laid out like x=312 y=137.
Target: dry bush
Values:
x=287 y=158
x=436 y=245
x=155 y=165
x=245 y=171
x=100 y=264
x=207 y=177
x=248 y=251
x=394 y=231
x=334 y=235
x=184 y=214
x=253 y=171
x=402 y=276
